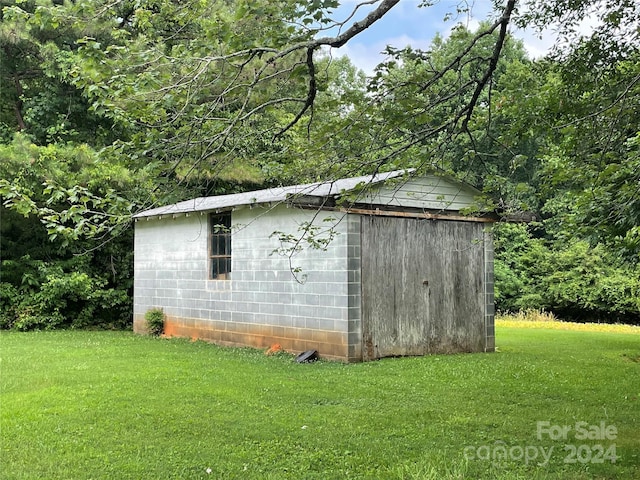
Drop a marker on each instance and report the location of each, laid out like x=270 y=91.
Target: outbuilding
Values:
x=357 y=269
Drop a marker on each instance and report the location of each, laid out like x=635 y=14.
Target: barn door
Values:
x=422 y=286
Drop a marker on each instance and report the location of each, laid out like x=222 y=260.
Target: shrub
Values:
x=49 y=297
x=9 y=298
x=572 y=279
x=155 y=321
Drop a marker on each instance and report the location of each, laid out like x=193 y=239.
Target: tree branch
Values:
x=357 y=27
x=493 y=62
x=311 y=95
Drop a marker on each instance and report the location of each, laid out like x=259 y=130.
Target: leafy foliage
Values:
x=50 y=298
x=58 y=205
x=155 y=321
x=573 y=280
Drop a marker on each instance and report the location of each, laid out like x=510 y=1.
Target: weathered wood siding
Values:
x=429 y=192
x=422 y=287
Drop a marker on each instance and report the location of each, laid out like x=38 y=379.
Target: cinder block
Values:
x=354 y=288
x=262 y=297
x=243 y=296
x=279 y=331
x=354 y=352
x=490 y=330
x=285 y=321
x=317 y=288
x=298 y=322
x=341 y=301
x=311 y=323
x=330 y=276
x=312 y=300
x=326 y=324
x=353 y=263
x=354 y=338
x=266 y=308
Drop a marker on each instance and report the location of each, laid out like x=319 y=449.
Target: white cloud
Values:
x=538 y=44
x=366 y=56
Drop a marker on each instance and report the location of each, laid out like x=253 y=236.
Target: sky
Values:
x=407 y=24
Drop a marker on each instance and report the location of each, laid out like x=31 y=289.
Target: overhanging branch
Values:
x=357 y=27
x=503 y=23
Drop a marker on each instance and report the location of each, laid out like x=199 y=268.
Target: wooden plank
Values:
x=422 y=286
x=424 y=215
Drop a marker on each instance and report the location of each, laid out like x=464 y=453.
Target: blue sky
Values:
x=407 y=24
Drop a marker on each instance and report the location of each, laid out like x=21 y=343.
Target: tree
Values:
x=421 y=100
x=572 y=279
x=203 y=84
x=166 y=98
x=199 y=82
x=593 y=168
x=35 y=98
x=593 y=160
x=53 y=274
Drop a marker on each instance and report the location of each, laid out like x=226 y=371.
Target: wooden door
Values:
x=422 y=286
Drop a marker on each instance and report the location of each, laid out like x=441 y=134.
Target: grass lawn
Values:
x=114 y=405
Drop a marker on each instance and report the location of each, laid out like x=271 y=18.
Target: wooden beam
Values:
x=427 y=215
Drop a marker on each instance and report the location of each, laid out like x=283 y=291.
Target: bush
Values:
x=586 y=283
x=52 y=298
x=571 y=279
x=9 y=298
x=155 y=321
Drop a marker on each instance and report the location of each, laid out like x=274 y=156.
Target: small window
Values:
x=219 y=245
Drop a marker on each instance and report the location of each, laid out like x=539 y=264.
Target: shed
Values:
x=357 y=269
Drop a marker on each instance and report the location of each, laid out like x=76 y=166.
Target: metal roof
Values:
x=270 y=195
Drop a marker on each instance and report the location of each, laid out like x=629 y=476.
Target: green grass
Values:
x=114 y=405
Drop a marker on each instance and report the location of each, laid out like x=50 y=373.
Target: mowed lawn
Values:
x=114 y=405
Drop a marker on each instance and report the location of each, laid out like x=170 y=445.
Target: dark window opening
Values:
x=219 y=245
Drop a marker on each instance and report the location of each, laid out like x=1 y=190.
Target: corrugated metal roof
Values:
x=270 y=195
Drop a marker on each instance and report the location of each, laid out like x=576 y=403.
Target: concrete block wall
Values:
x=354 y=288
x=489 y=317
x=170 y=266
x=264 y=301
